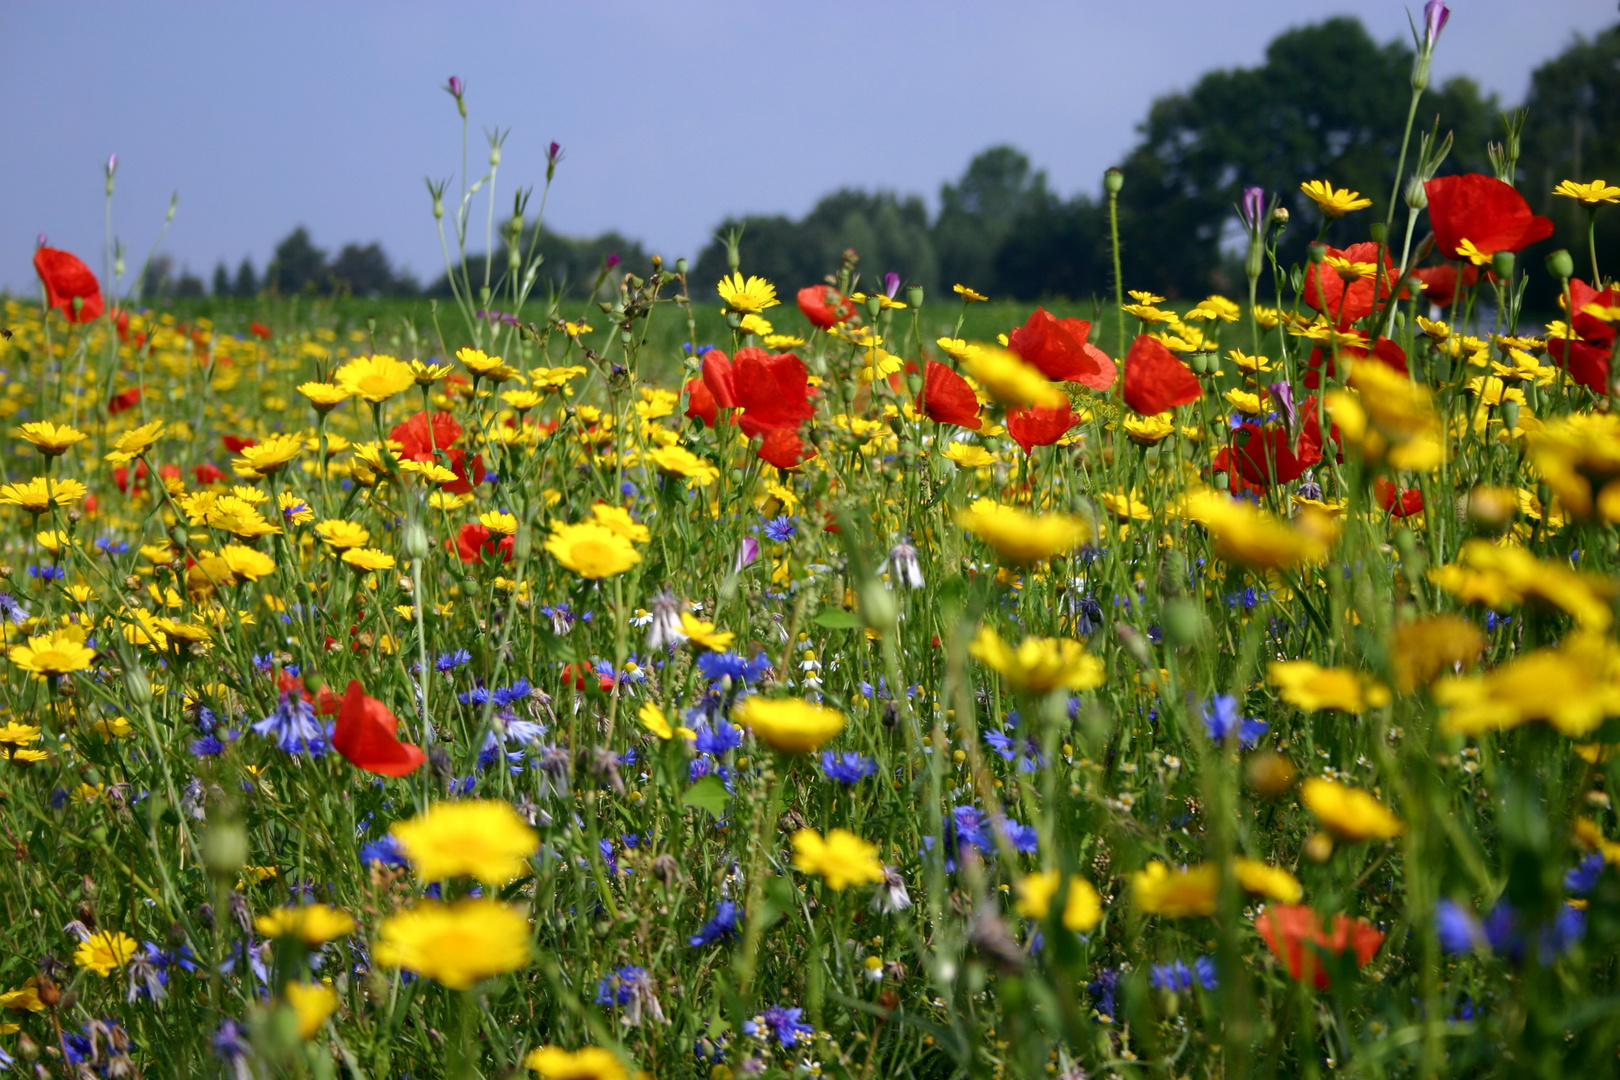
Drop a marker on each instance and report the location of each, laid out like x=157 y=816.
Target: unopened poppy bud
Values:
x=873 y=305
x=1319 y=848
x=681 y=266
x=27 y=1048
x=1377 y=231
x=914 y=295
x=1113 y=181
x=1417 y=196
x=914 y=383
x=1502 y=264
x=1135 y=644
x=877 y=606
x=139 y=688
x=1560 y=264
x=1317 y=252
x=225 y=848
x=1183 y=622
x=1510 y=414
x=1220 y=480
x=416 y=540
x=1199 y=364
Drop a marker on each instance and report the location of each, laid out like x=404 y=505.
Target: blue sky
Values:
x=672 y=115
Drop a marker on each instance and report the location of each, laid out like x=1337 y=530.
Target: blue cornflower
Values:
x=783 y=1023
x=12 y=610
x=1204 y=972
x=848 y=767
x=722 y=927
x=452 y=660
x=230 y=1042
x=47 y=573
x=478 y=695
x=384 y=850
x=1102 y=990
x=699 y=767
x=1022 y=837
x=1221 y=718
x=505 y=695
x=717 y=666
x=619 y=986
x=717 y=740
x=1581 y=880
x=294 y=727
x=780 y=529
x=108 y=546
x=1172 y=976
x=1457 y=929
x=207 y=746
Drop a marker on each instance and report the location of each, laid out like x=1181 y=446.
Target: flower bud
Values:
x=1560 y=264
x=1510 y=414
x=914 y=295
x=416 y=540
x=225 y=848
x=1113 y=181
x=682 y=266
x=1502 y=264
x=1183 y=622
x=138 y=686
x=1279 y=216
x=1417 y=196
x=1317 y=252
x=1319 y=847
x=877 y=606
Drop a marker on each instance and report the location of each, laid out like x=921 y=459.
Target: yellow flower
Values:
x=15 y=734
x=368 y=560
x=1467 y=250
x=1588 y=194
x=1424 y=648
x=59 y=652
x=247 y=562
x=498 y=522
x=341 y=534
x=842 y=859
x=748 y=297
x=324 y=396
x=1176 y=894
x=679 y=461
x=1082 y=911
x=587 y=1063
x=479 y=362
x=968 y=295
x=1303 y=684
x=1347 y=812
x=314 y=924
x=591 y=550
x=427 y=374
x=1020 y=537
x=270 y=455
x=1149 y=430
x=1574 y=687
x=1125 y=506
x=104 y=951
x=755 y=324
x=791 y=725
x=1579 y=457
x=521 y=400
x=294 y=511
x=1501 y=576
x=617 y=519
x=1008 y=379
x=375 y=378
x=312 y=1003
x=1040 y=664
x=50 y=439
x=1251 y=537
x=556 y=378
x=456 y=944
x=1335 y=202
x=1272 y=882
x=135 y=442
x=36 y=495
x=1143 y=297
x=968 y=455
x=703 y=633
x=25 y=998
x=652 y=718
x=484 y=839
x=430 y=471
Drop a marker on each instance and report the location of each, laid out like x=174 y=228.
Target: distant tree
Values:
x=568 y=264
x=247 y=280
x=1328 y=103
x=156 y=278
x=1573 y=133
x=297 y=264
x=364 y=271
x=189 y=285
x=977 y=213
x=888 y=231
x=222 y=280
x=1056 y=248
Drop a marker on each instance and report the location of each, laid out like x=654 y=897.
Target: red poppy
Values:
x=573 y=675
x=475 y=543
x=1327 y=291
x=1040 y=426
x=948 y=399
x=1440 y=282
x=1224 y=462
x=1265 y=455
x=169 y=472
x=124 y=479
x=124 y=399
x=1483 y=210
x=237 y=443
x=824 y=306
x=1058 y=348
x=1587 y=326
x=1288 y=928
x=208 y=473
x=1401 y=502
x=470 y=472
x=718 y=378
x=120 y=321
x=259 y=330
x=1155 y=380
x=772 y=390
x=1384 y=351
x=66 y=279
x=785 y=448
x=366 y=734
x=1586 y=356
x=700 y=404
x=420 y=435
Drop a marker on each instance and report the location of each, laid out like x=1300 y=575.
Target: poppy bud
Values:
x=140 y=690
x=1221 y=481
x=225 y=848
x=1417 y=196
x=1199 y=364
x=416 y=540
x=1183 y=622
x=1317 y=253
x=877 y=606
x=1377 y=232
x=1560 y=264
x=914 y=295
x=873 y=305
x=1502 y=264
x=1510 y=414
x=1113 y=181
x=681 y=266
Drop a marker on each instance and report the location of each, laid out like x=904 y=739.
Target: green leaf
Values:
x=708 y=794
x=837 y=619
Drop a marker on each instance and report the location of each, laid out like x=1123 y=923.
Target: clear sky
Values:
x=672 y=114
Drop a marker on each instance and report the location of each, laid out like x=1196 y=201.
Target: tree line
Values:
x=1326 y=102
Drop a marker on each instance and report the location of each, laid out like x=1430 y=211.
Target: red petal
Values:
x=773 y=391
x=65 y=277
x=784 y=448
x=1040 y=426
x=948 y=399
x=700 y=403
x=365 y=735
x=824 y=305
x=1483 y=210
x=719 y=378
x=1155 y=380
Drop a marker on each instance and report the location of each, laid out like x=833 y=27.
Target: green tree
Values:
x=297 y=264
x=979 y=211
x=1328 y=103
x=247 y=279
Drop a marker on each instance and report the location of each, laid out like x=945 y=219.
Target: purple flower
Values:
x=1102 y=990
x=1435 y=14
x=717 y=740
x=780 y=1022
x=1254 y=208
x=891 y=284
x=1457 y=929
x=112 y=165
x=1283 y=394
x=294 y=727
x=847 y=768
x=455 y=86
x=385 y=850
x=723 y=927
x=613 y=260
x=780 y=529
x=747 y=552
x=553 y=153
x=1584 y=877
x=1221 y=719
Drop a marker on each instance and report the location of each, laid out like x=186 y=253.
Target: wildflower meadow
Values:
x=720 y=678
